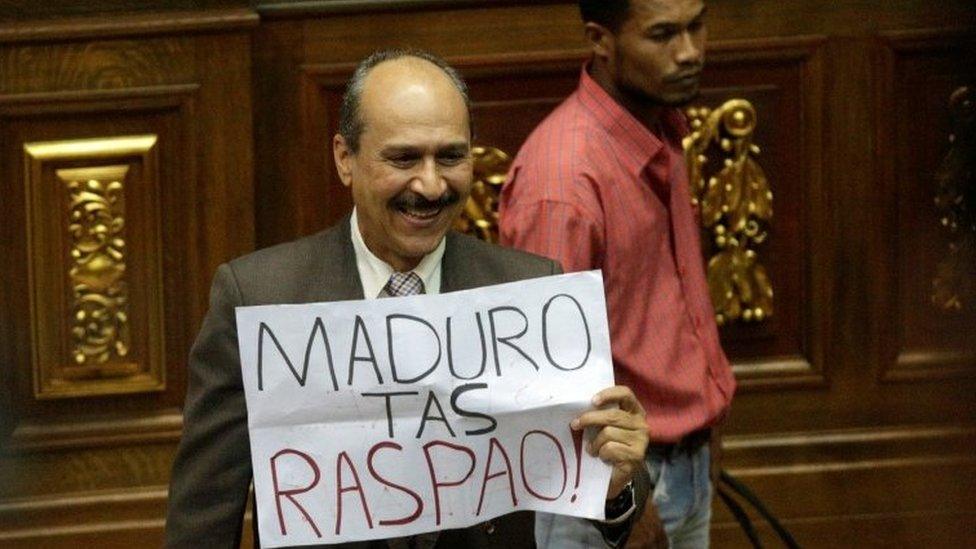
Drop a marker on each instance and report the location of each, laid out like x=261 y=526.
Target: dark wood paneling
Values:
x=812 y=72
x=169 y=116
x=93 y=469
x=862 y=432
x=783 y=79
x=16 y=10
x=920 y=340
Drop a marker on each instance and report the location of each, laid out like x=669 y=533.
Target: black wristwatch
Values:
x=617 y=507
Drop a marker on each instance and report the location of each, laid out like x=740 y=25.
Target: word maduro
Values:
x=350 y=493
x=403 y=333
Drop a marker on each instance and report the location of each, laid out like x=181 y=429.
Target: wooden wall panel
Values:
x=855 y=418
x=164 y=113
x=817 y=428
x=783 y=79
x=89 y=460
x=921 y=339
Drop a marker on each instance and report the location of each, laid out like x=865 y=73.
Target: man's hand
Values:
x=622 y=437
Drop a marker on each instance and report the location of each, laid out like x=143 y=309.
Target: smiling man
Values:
x=404 y=150
x=601 y=184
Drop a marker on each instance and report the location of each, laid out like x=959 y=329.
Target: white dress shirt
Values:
x=374 y=272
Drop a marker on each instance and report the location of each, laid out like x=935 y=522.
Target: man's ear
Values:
x=344 y=158
x=601 y=40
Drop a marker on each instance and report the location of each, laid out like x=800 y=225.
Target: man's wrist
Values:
x=621 y=507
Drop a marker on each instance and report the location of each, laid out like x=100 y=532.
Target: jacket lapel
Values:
x=456 y=266
x=334 y=266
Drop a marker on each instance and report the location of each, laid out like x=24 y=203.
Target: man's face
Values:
x=413 y=171
x=659 y=52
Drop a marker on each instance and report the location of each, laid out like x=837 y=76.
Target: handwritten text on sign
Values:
x=391 y=417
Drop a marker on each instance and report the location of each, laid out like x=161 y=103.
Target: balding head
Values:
x=351 y=119
x=406 y=155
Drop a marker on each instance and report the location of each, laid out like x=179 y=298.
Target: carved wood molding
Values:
x=736 y=206
x=38 y=520
x=773 y=451
x=938 y=56
x=142 y=25
x=804 y=366
x=954 y=286
x=311 y=8
x=169 y=110
x=81 y=347
x=32 y=437
x=71 y=101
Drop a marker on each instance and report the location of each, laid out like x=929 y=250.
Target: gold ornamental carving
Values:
x=480 y=215
x=99 y=310
x=736 y=205
x=95 y=276
x=954 y=286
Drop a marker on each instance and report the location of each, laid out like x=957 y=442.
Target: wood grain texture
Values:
x=100 y=64
x=51 y=117
x=784 y=81
x=919 y=72
x=854 y=423
x=192 y=89
x=95 y=273
x=84 y=26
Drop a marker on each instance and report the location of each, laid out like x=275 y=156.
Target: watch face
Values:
x=620 y=504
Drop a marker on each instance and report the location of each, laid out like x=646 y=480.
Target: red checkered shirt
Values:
x=595 y=189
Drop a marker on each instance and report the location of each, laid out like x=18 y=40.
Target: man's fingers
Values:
x=618 y=454
x=620 y=395
x=630 y=437
x=613 y=417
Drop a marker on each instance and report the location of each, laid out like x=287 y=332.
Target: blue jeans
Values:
x=682 y=495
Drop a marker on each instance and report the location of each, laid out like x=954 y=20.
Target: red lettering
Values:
x=409 y=492
x=433 y=476
x=290 y=494
x=508 y=472
x=562 y=458
x=340 y=489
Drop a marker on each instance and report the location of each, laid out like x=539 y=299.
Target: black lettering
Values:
x=389 y=405
x=495 y=340
x=484 y=350
x=545 y=332
x=354 y=358
x=317 y=328
x=389 y=341
x=456 y=394
x=432 y=399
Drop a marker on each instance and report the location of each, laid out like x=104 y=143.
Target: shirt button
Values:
x=489 y=528
x=698 y=322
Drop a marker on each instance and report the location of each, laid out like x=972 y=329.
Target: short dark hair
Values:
x=609 y=13
x=351 y=123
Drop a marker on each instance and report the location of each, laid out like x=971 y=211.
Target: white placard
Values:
x=390 y=417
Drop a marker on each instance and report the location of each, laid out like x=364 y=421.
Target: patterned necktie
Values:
x=400 y=284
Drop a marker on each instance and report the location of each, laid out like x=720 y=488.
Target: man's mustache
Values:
x=413 y=201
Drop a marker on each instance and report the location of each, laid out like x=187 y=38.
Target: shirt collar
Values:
x=374 y=272
x=638 y=144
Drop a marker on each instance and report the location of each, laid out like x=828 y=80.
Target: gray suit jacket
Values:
x=212 y=471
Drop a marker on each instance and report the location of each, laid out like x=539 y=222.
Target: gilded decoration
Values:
x=99 y=310
x=736 y=207
x=93 y=238
x=480 y=215
x=954 y=286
